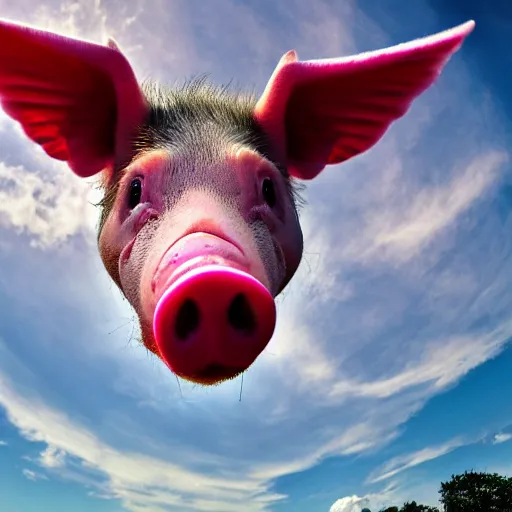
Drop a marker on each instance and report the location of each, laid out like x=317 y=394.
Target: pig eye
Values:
x=269 y=192
x=135 y=193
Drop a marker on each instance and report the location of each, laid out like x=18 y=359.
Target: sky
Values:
x=389 y=370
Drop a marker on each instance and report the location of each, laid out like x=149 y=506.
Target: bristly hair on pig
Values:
x=179 y=117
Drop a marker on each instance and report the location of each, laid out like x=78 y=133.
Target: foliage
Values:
x=475 y=492
x=468 y=492
x=415 y=507
x=411 y=507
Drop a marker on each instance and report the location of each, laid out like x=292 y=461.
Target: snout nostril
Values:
x=241 y=315
x=187 y=319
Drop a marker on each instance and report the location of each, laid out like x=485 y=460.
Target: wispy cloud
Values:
x=128 y=472
x=501 y=438
x=403 y=462
x=3 y=443
x=33 y=475
x=412 y=220
x=442 y=362
x=435 y=209
x=168 y=482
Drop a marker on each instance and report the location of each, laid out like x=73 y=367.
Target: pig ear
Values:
x=80 y=101
x=326 y=111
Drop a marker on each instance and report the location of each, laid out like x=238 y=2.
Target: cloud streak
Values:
x=501 y=438
x=410 y=460
x=412 y=219
x=33 y=475
x=442 y=363
x=435 y=209
x=139 y=481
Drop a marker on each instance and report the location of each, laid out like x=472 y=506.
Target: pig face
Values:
x=201 y=189
x=199 y=225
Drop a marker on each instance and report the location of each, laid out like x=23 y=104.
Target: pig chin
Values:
x=207 y=307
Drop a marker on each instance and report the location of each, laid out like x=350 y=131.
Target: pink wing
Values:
x=326 y=111
x=80 y=101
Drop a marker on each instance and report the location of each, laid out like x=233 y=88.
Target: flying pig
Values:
x=199 y=226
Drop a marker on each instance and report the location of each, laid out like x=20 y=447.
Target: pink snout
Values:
x=212 y=323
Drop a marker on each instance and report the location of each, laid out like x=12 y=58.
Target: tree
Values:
x=414 y=507
x=411 y=507
x=475 y=492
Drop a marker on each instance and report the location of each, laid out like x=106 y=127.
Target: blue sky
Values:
x=390 y=366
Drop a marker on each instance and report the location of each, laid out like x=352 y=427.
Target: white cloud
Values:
x=403 y=462
x=434 y=209
x=33 y=475
x=501 y=438
x=48 y=207
x=414 y=218
x=141 y=482
x=441 y=363
x=169 y=484
x=3 y=443
x=374 y=501
x=75 y=19
x=350 y=504
x=52 y=457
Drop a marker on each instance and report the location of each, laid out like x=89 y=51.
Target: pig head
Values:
x=198 y=223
